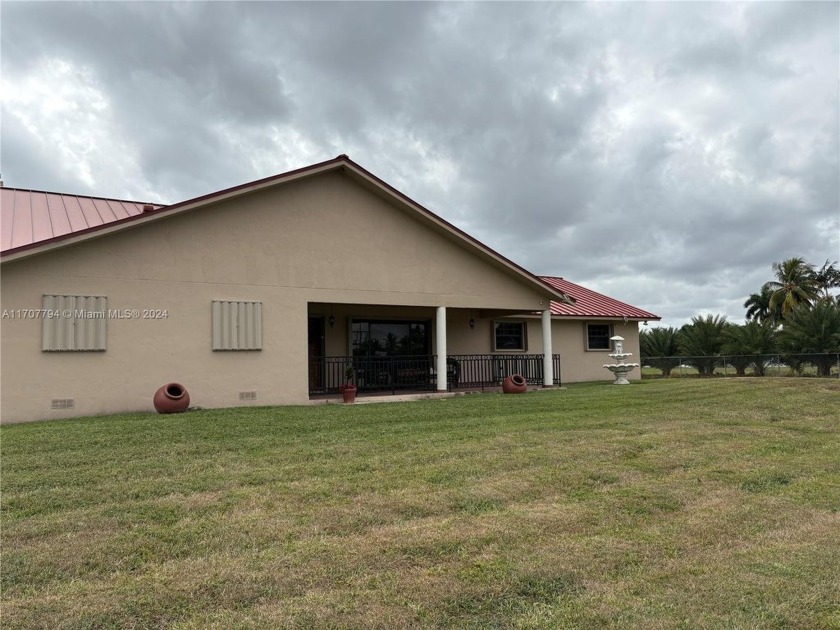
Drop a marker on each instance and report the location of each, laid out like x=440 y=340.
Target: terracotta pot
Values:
x=514 y=384
x=348 y=392
x=172 y=398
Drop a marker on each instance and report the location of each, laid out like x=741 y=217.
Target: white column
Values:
x=548 y=366
x=440 y=345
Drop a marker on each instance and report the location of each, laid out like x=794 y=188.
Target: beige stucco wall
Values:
x=320 y=240
x=578 y=364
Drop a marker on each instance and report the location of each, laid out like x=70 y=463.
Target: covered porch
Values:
x=398 y=349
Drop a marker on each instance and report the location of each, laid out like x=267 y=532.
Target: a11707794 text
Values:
x=68 y=313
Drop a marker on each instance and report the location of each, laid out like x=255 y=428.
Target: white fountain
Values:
x=620 y=368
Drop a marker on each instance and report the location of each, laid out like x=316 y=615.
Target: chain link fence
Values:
x=823 y=365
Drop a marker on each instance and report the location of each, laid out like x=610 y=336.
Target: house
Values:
x=264 y=293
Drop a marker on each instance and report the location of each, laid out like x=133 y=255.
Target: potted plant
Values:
x=348 y=390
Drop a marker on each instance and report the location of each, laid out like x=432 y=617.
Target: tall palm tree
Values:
x=758 y=307
x=827 y=277
x=794 y=285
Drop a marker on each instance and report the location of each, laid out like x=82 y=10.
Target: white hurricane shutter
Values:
x=74 y=323
x=237 y=325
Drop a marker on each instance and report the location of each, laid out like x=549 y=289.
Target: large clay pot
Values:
x=348 y=392
x=172 y=398
x=514 y=384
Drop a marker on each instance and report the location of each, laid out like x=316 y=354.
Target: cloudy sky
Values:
x=663 y=153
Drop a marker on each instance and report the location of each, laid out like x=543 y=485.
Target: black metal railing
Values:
x=372 y=374
x=489 y=370
x=382 y=374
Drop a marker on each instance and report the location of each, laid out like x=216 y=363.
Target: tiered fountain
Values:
x=620 y=368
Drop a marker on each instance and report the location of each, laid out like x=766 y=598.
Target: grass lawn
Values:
x=665 y=504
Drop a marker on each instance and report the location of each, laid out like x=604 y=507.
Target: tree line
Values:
x=795 y=313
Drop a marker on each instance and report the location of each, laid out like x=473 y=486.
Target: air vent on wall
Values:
x=62 y=403
x=247 y=395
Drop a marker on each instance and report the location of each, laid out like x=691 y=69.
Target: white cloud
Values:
x=664 y=153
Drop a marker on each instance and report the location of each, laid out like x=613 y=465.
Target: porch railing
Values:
x=381 y=374
x=489 y=370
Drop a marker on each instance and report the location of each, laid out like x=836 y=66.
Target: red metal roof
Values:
x=588 y=303
x=33 y=216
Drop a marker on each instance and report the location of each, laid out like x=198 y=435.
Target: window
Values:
x=237 y=325
x=598 y=336
x=509 y=336
x=389 y=338
x=74 y=323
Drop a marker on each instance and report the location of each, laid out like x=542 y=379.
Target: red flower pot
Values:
x=348 y=392
x=172 y=398
x=514 y=384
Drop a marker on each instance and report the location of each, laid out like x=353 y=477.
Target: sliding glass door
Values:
x=390 y=338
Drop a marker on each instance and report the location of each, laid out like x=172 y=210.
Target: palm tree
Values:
x=794 y=285
x=659 y=348
x=827 y=277
x=758 y=307
x=814 y=330
x=701 y=342
x=749 y=344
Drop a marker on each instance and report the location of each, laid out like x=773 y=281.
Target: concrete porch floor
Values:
x=382 y=397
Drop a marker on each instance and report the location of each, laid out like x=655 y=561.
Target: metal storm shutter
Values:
x=74 y=323
x=237 y=325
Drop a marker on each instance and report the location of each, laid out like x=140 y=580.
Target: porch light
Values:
x=331 y=320
x=472 y=323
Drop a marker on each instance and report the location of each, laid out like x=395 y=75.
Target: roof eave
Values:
x=163 y=212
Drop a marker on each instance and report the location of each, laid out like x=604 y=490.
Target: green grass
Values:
x=693 y=503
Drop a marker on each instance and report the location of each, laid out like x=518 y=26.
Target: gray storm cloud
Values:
x=663 y=153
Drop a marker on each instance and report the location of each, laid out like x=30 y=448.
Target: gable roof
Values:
x=32 y=208
x=29 y=217
x=588 y=303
